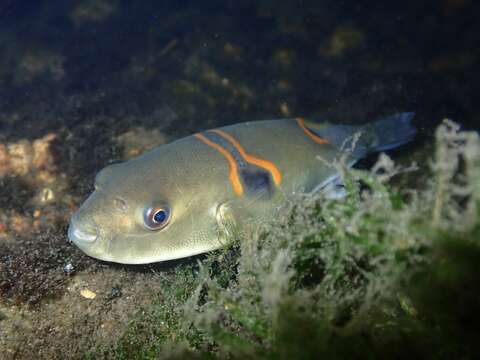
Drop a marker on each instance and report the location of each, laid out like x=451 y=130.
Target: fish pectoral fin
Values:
x=332 y=188
x=335 y=190
x=226 y=223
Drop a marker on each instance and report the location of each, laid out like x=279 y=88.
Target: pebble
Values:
x=88 y=294
x=69 y=268
x=46 y=195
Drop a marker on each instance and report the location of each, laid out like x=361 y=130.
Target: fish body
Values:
x=179 y=199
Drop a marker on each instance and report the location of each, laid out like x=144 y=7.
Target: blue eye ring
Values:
x=156 y=217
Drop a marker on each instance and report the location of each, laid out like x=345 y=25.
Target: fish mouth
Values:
x=82 y=234
x=87 y=238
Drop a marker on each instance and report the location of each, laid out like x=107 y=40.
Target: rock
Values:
x=69 y=268
x=20 y=224
x=343 y=39
x=42 y=157
x=23 y=156
x=88 y=11
x=88 y=294
x=138 y=140
x=46 y=195
x=20 y=157
x=34 y=64
x=4 y=160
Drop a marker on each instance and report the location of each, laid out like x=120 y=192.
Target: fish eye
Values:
x=156 y=217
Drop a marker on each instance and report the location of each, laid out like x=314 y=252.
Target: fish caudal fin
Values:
x=381 y=135
x=392 y=131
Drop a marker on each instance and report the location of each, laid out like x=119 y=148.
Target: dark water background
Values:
x=187 y=65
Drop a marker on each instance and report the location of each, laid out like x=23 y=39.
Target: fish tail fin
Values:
x=381 y=135
x=391 y=132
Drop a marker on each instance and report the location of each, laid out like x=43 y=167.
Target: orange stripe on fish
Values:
x=265 y=164
x=233 y=176
x=310 y=134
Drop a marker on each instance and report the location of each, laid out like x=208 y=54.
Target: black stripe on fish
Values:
x=254 y=178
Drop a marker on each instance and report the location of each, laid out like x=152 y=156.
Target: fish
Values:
x=186 y=197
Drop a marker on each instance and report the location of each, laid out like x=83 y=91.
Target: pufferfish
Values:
x=176 y=200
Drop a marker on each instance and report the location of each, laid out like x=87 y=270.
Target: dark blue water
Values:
x=218 y=62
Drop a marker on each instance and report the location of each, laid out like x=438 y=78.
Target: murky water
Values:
x=90 y=82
